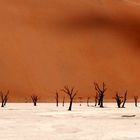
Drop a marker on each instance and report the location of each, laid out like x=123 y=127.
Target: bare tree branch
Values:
x=34 y=99
x=4 y=98
x=57 y=98
x=70 y=91
x=99 y=94
x=136 y=100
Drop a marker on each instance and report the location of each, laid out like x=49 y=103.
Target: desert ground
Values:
x=20 y=121
x=47 y=44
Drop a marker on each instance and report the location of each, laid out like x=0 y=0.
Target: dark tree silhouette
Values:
x=96 y=99
x=57 y=98
x=124 y=99
x=121 y=100
x=118 y=100
x=71 y=93
x=136 y=100
x=88 y=101
x=34 y=99
x=100 y=93
x=4 y=98
x=63 y=103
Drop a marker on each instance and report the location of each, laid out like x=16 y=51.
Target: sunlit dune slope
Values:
x=46 y=44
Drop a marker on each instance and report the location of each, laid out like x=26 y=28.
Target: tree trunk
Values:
x=101 y=103
x=63 y=101
x=70 y=107
x=57 y=103
x=2 y=104
x=136 y=104
x=63 y=104
x=136 y=100
x=96 y=100
x=101 y=100
x=118 y=105
x=124 y=103
x=125 y=98
x=35 y=104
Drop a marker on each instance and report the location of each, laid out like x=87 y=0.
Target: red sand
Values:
x=46 y=44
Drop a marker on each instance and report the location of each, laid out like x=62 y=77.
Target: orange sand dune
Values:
x=46 y=44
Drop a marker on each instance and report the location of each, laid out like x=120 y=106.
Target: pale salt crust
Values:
x=20 y=121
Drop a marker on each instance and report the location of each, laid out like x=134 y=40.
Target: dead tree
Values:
x=57 y=98
x=96 y=99
x=136 y=100
x=63 y=103
x=124 y=99
x=34 y=99
x=100 y=93
x=88 y=101
x=118 y=100
x=4 y=98
x=71 y=93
